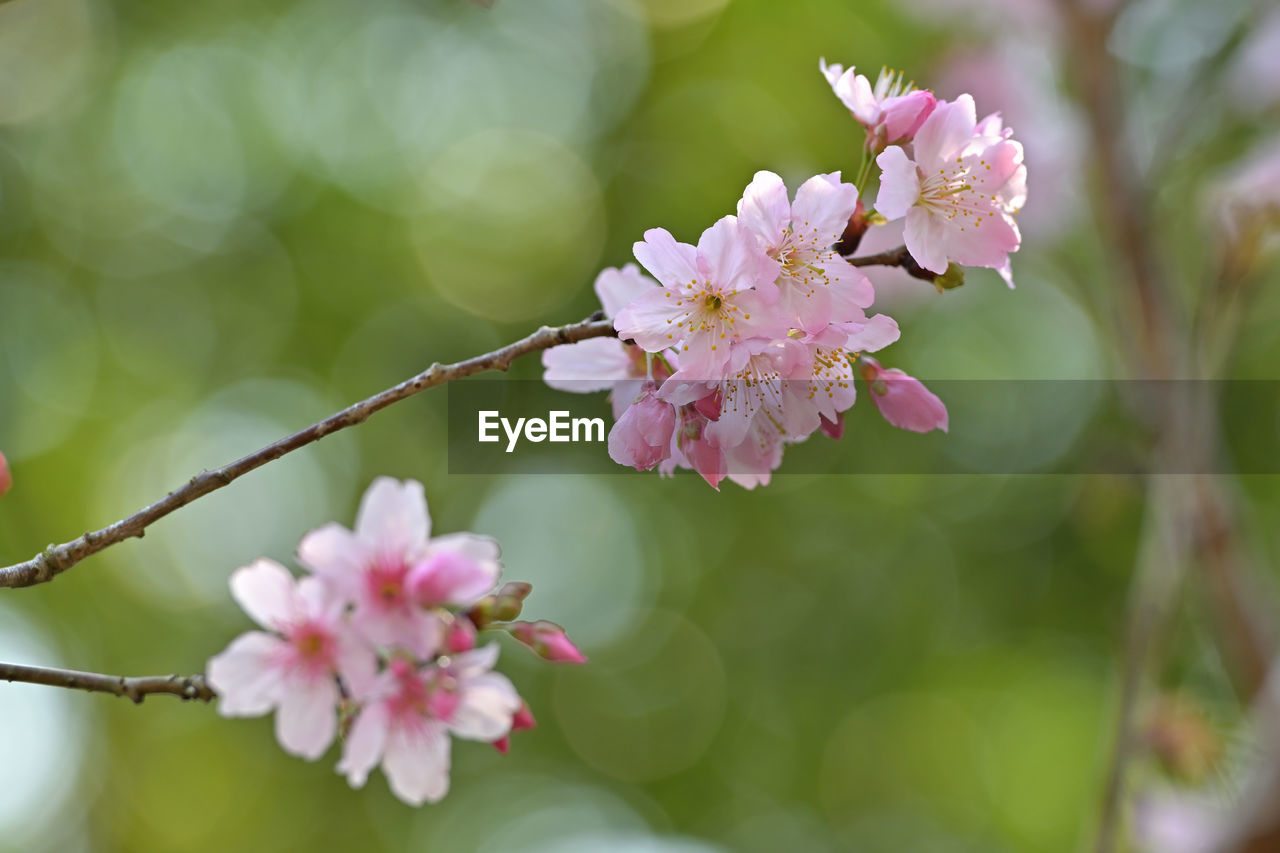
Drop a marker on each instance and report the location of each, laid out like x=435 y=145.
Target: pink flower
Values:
x=409 y=714
x=547 y=639
x=903 y=399
x=372 y=567
x=641 y=437
x=816 y=286
x=712 y=295
x=293 y=668
x=599 y=364
x=6 y=478
x=892 y=111
x=960 y=192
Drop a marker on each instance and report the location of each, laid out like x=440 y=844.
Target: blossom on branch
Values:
x=959 y=189
x=382 y=636
x=891 y=111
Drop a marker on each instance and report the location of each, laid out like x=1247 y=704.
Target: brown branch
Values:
x=898 y=257
x=57 y=559
x=185 y=687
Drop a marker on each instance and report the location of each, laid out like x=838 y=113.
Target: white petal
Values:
x=488 y=703
x=364 y=745
x=246 y=676
x=333 y=552
x=475 y=662
x=946 y=132
x=264 y=588
x=307 y=718
x=393 y=516
x=926 y=239
x=417 y=763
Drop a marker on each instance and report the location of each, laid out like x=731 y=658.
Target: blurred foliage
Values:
x=222 y=221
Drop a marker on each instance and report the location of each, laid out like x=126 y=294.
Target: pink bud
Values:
x=548 y=640
x=903 y=399
x=523 y=719
x=6 y=479
x=461 y=636
x=503 y=744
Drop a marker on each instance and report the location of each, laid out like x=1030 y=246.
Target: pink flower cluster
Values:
x=380 y=642
x=751 y=339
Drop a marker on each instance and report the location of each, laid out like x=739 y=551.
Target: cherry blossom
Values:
x=410 y=713
x=291 y=667
x=389 y=568
x=712 y=295
x=599 y=364
x=959 y=190
x=816 y=285
x=891 y=111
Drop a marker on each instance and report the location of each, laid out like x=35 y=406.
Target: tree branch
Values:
x=185 y=687
x=57 y=559
x=898 y=257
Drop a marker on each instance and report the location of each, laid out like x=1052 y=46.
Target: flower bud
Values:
x=548 y=640
x=6 y=479
x=461 y=636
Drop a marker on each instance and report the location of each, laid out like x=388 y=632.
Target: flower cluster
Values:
x=380 y=642
x=753 y=338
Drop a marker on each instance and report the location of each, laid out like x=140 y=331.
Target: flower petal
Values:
x=393 y=517
x=618 y=287
x=264 y=589
x=416 y=762
x=307 y=719
x=488 y=703
x=764 y=209
x=364 y=745
x=899 y=183
x=246 y=675
x=672 y=263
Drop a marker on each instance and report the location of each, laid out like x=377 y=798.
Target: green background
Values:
x=220 y=222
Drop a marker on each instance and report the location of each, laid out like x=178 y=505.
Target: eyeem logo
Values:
x=558 y=427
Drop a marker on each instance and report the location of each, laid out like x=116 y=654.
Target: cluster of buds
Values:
x=753 y=338
x=380 y=643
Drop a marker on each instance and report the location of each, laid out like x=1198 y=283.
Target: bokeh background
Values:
x=220 y=222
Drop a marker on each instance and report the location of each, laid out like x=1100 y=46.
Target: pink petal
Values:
x=450 y=577
x=357 y=663
x=926 y=238
x=907 y=404
x=6 y=478
x=307 y=719
x=587 y=366
x=335 y=553
x=246 y=675
x=873 y=334
x=731 y=258
x=947 y=131
x=650 y=320
x=264 y=589
x=672 y=263
x=823 y=205
x=364 y=745
x=764 y=209
x=899 y=183
x=416 y=762
x=904 y=115
x=618 y=287
x=393 y=517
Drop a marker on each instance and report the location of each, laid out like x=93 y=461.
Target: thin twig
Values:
x=185 y=687
x=57 y=559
